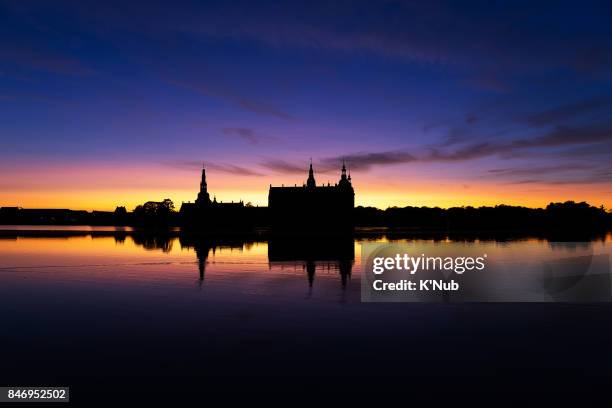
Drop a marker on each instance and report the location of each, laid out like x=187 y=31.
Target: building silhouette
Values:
x=313 y=208
x=307 y=208
x=212 y=214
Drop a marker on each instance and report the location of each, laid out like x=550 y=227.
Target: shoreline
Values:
x=66 y=231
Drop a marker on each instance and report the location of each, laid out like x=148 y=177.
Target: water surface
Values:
x=132 y=306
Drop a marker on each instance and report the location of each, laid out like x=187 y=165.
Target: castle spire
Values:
x=344 y=180
x=203 y=197
x=349 y=174
x=203 y=186
x=343 y=172
x=311 y=180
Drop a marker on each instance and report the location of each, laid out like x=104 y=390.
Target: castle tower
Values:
x=203 y=197
x=344 y=180
x=311 y=180
x=311 y=207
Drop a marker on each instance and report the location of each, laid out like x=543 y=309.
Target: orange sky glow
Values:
x=105 y=186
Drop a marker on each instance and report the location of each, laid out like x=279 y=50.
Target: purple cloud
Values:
x=194 y=165
x=246 y=134
x=251 y=105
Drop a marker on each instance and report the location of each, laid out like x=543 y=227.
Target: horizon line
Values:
x=357 y=206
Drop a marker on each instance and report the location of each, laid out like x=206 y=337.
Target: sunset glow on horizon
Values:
x=103 y=187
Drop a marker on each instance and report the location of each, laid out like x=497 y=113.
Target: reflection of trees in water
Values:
x=120 y=237
x=154 y=241
x=398 y=234
x=571 y=246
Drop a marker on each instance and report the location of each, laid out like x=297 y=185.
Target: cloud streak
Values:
x=43 y=60
x=247 y=104
x=540 y=170
x=246 y=134
x=193 y=165
x=569 y=111
x=568 y=135
x=429 y=32
x=559 y=137
x=283 y=166
x=365 y=160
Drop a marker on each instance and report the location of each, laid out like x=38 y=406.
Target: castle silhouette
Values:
x=290 y=209
x=312 y=207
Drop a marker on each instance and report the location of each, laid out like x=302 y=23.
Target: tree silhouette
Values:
x=154 y=212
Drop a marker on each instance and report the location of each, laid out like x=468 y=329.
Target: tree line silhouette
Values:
x=556 y=216
x=569 y=216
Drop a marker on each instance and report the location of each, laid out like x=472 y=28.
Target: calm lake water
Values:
x=77 y=309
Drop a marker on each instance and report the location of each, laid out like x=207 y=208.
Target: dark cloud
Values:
x=562 y=113
x=439 y=32
x=567 y=173
x=283 y=166
x=262 y=108
x=559 y=174
x=559 y=137
x=43 y=60
x=594 y=178
x=246 y=134
x=564 y=174
x=193 y=165
x=20 y=95
x=367 y=160
x=251 y=105
x=469 y=152
x=569 y=135
x=233 y=169
x=540 y=170
x=426 y=32
x=471 y=118
x=436 y=124
x=364 y=160
x=525 y=181
x=591 y=151
x=324 y=166
x=488 y=84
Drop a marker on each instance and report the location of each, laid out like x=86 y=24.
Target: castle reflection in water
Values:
x=311 y=255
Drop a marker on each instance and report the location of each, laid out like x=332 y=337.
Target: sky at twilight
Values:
x=430 y=103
